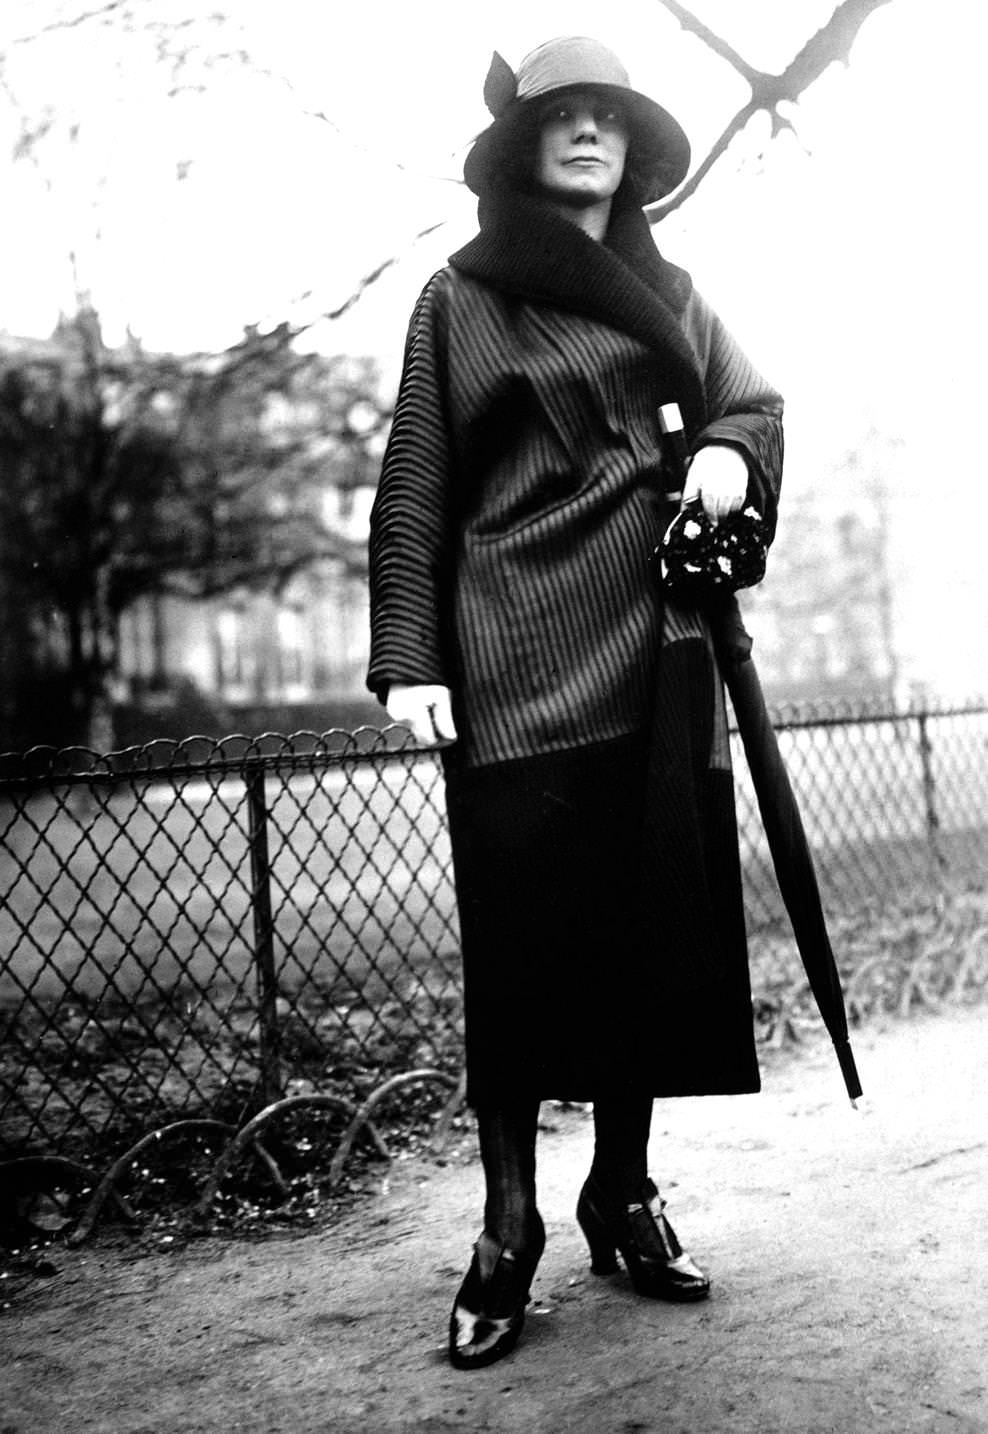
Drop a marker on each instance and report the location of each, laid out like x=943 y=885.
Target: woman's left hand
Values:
x=718 y=476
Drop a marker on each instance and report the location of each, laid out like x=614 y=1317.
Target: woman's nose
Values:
x=584 y=125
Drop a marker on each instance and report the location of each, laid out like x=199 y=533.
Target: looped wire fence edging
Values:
x=210 y=935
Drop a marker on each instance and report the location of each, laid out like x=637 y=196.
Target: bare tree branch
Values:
x=285 y=334
x=372 y=278
x=323 y=118
x=688 y=21
x=830 y=45
x=71 y=22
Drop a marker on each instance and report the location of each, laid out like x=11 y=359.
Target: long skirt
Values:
x=600 y=907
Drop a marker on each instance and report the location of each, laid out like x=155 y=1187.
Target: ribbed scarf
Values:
x=526 y=249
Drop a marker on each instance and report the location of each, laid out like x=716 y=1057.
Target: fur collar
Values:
x=526 y=249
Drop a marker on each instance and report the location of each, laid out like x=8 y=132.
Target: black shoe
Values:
x=489 y=1310
x=656 y=1262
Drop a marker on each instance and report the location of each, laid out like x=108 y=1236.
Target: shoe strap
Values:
x=648 y=1216
x=506 y=1288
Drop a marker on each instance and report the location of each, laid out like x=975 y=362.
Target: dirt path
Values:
x=849 y=1254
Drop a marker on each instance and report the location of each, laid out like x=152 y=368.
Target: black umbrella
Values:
x=705 y=557
x=784 y=831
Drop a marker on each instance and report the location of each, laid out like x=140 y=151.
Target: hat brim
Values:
x=658 y=142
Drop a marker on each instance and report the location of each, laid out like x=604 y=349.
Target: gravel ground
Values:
x=849 y=1253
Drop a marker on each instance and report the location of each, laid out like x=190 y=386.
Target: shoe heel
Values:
x=603 y=1251
x=603 y=1257
x=656 y=1263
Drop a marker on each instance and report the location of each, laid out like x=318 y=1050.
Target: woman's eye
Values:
x=608 y=115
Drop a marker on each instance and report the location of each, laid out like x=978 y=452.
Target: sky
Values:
x=274 y=204
x=847 y=257
x=826 y=229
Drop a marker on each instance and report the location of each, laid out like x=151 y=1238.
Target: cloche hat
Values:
x=659 y=146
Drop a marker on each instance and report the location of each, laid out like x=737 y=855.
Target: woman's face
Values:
x=583 y=142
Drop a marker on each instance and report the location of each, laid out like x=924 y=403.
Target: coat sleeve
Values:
x=409 y=526
x=743 y=410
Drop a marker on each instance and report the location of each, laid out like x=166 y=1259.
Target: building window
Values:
x=292 y=666
x=235 y=658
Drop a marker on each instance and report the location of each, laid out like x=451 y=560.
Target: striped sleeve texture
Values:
x=744 y=412
x=409 y=545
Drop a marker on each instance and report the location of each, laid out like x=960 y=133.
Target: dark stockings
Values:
x=507 y=1151
x=620 y=1156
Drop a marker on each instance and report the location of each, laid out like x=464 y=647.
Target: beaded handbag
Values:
x=700 y=559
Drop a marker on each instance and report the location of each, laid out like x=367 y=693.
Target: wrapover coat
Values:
x=590 y=795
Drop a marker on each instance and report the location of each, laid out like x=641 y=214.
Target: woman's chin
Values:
x=580 y=191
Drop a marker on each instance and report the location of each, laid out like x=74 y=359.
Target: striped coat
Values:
x=520 y=500
x=589 y=796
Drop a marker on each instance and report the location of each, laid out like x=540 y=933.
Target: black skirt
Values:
x=601 y=915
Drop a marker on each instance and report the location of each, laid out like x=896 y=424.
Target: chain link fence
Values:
x=196 y=930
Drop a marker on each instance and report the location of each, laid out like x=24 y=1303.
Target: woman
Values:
x=516 y=614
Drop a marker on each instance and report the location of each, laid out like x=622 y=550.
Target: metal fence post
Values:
x=146 y=892
x=930 y=798
x=260 y=902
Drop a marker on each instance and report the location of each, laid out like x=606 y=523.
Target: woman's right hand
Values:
x=425 y=708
